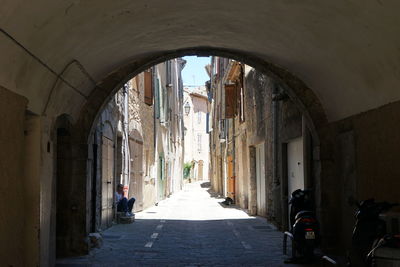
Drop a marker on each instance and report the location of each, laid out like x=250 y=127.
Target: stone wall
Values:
x=14 y=198
x=359 y=161
x=31 y=187
x=142 y=120
x=258 y=99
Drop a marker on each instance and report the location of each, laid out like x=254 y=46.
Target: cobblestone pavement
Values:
x=191 y=228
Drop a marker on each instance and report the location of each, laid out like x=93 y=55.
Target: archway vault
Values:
x=297 y=90
x=341 y=50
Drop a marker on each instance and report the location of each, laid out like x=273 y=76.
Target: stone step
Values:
x=123 y=219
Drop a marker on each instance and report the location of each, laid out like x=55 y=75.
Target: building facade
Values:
x=168 y=121
x=261 y=145
x=138 y=141
x=196 y=120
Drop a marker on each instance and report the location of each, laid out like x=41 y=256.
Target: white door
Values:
x=295 y=164
x=260 y=174
x=136 y=181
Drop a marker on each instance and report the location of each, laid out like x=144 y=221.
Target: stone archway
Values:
x=298 y=92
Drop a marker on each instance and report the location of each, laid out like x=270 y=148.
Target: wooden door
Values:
x=160 y=178
x=107 y=179
x=200 y=170
x=260 y=174
x=136 y=182
x=231 y=178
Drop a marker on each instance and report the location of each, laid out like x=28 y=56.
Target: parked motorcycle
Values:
x=305 y=232
x=385 y=252
x=369 y=233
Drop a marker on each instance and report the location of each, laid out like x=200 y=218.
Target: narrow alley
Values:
x=190 y=228
x=156 y=112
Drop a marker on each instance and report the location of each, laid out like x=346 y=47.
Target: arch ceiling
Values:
x=347 y=52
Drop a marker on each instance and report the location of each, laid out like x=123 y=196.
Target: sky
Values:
x=194 y=73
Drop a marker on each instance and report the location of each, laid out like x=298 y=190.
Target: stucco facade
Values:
x=168 y=130
x=196 y=132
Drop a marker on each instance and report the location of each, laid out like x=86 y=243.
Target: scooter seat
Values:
x=304 y=213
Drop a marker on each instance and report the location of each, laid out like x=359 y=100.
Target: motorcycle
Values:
x=369 y=233
x=305 y=232
x=385 y=251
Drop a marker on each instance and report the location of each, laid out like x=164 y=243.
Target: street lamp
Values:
x=187 y=108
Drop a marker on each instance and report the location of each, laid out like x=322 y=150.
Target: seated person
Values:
x=123 y=204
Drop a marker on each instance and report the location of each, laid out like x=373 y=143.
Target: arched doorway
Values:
x=64 y=207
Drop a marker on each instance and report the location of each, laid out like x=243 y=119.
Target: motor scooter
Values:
x=385 y=251
x=304 y=227
x=369 y=232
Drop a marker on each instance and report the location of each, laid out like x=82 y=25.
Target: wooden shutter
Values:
x=148 y=88
x=230 y=101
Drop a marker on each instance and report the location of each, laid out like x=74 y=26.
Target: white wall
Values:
x=195 y=123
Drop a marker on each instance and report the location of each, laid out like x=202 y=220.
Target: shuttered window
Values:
x=230 y=101
x=148 y=88
x=207 y=122
x=157 y=98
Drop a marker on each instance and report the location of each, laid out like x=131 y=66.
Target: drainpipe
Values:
x=275 y=103
x=277 y=206
x=279 y=195
x=234 y=159
x=156 y=155
x=127 y=157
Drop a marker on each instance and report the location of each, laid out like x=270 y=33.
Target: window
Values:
x=148 y=87
x=230 y=101
x=222 y=129
x=157 y=98
x=168 y=72
x=199 y=142
x=207 y=122
x=147 y=169
x=199 y=117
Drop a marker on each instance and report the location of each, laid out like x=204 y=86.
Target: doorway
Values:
x=200 y=170
x=136 y=169
x=107 y=182
x=231 y=178
x=260 y=177
x=295 y=165
x=63 y=187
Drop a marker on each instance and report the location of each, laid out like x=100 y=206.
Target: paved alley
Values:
x=190 y=228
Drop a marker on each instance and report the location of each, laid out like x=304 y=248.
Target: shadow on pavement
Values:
x=231 y=242
x=205 y=185
x=218 y=196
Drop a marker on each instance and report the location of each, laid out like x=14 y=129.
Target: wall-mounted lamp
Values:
x=187 y=108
